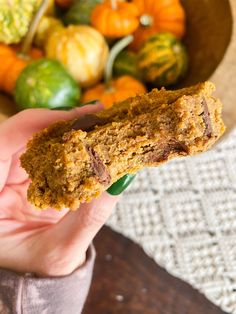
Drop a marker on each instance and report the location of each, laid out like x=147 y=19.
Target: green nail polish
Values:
x=92 y=102
x=120 y=185
x=63 y=108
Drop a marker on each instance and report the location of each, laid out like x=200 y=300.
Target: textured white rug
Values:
x=183 y=214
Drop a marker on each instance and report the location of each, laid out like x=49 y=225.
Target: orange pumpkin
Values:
x=118 y=90
x=158 y=16
x=12 y=64
x=115 y=18
x=114 y=90
x=33 y=53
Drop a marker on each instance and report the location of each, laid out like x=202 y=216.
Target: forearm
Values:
x=31 y=294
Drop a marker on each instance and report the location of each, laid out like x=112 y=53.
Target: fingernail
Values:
x=92 y=102
x=66 y=108
x=63 y=108
x=120 y=185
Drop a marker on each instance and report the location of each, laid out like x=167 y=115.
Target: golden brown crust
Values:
x=75 y=161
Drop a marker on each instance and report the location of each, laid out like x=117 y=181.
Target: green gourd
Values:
x=46 y=84
x=163 y=60
x=126 y=63
x=80 y=12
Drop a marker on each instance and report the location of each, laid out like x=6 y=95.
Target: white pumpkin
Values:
x=82 y=50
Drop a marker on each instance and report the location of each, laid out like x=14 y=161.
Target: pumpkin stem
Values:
x=115 y=50
x=114 y=4
x=33 y=27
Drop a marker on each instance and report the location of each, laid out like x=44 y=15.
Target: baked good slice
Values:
x=75 y=161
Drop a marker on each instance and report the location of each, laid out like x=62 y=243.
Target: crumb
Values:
x=108 y=257
x=119 y=298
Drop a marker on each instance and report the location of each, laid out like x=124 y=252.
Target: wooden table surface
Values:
x=127 y=281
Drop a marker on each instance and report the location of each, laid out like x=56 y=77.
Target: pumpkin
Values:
x=45 y=83
x=33 y=53
x=119 y=89
x=14 y=59
x=115 y=90
x=82 y=50
x=15 y=17
x=64 y=3
x=80 y=12
x=126 y=63
x=12 y=64
x=158 y=16
x=45 y=28
x=115 y=18
x=162 y=60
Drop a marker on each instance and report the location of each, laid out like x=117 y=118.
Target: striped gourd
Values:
x=81 y=49
x=126 y=64
x=162 y=60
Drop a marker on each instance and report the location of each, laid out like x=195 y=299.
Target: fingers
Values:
x=76 y=230
x=62 y=247
x=16 y=173
x=11 y=204
x=16 y=131
x=4 y=171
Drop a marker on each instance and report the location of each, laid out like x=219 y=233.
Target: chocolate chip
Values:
x=162 y=153
x=87 y=122
x=206 y=118
x=158 y=156
x=99 y=168
x=179 y=147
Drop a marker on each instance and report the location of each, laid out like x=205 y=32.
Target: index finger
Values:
x=17 y=130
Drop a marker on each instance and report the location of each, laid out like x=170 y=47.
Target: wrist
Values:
x=61 y=266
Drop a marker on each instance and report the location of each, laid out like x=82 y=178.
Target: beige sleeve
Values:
x=28 y=293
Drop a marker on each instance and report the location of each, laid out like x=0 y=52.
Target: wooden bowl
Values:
x=209 y=30
x=211 y=43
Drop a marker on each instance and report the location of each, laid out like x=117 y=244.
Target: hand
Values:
x=48 y=243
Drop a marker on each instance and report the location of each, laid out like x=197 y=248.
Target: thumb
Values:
x=76 y=230
x=63 y=246
x=80 y=227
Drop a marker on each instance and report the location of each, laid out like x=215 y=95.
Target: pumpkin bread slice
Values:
x=72 y=162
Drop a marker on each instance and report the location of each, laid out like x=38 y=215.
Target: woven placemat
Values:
x=183 y=214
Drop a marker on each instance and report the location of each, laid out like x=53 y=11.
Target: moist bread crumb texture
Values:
x=72 y=162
